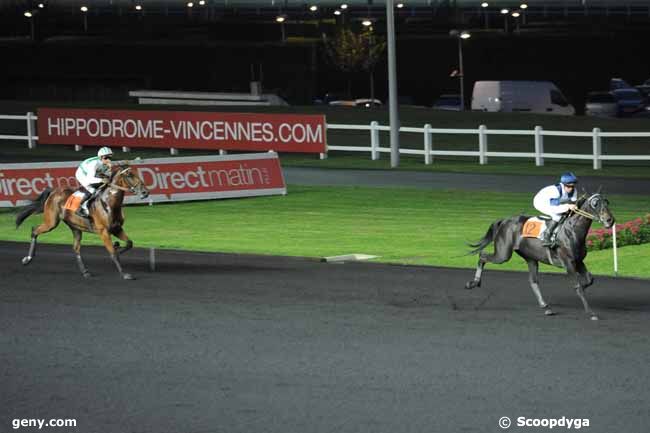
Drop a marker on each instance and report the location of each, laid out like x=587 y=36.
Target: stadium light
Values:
x=460 y=35
x=201 y=2
x=516 y=14
x=138 y=7
x=505 y=11
x=400 y=5
x=280 y=19
x=84 y=9
x=28 y=14
x=366 y=22
x=337 y=12
x=41 y=5
x=344 y=6
x=190 y=4
x=313 y=8
x=523 y=6
x=484 y=4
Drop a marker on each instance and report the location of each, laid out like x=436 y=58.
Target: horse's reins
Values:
x=584 y=214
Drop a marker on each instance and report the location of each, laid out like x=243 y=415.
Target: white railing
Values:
x=482 y=152
x=428 y=150
x=31 y=136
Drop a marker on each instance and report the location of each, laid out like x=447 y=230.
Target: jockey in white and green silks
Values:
x=91 y=174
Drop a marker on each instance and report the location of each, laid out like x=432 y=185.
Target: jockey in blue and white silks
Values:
x=92 y=173
x=555 y=201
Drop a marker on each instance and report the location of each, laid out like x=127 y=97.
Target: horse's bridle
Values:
x=591 y=216
x=132 y=188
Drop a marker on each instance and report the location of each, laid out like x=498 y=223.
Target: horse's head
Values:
x=597 y=206
x=125 y=177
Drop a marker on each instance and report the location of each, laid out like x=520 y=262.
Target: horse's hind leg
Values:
x=76 y=246
x=50 y=221
x=533 y=278
x=476 y=282
x=502 y=252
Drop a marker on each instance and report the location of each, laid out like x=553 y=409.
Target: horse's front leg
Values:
x=106 y=238
x=121 y=234
x=76 y=246
x=587 y=278
x=572 y=269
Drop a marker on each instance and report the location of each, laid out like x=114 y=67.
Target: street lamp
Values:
x=484 y=6
x=505 y=13
x=460 y=35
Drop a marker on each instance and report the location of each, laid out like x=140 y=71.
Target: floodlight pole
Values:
x=392 y=85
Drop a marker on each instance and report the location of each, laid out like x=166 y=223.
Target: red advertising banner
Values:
x=183 y=130
x=167 y=179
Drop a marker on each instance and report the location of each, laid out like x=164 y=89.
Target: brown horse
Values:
x=105 y=217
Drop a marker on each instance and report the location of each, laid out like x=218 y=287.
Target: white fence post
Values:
x=428 y=158
x=482 y=145
x=223 y=152
x=126 y=149
x=31 y=143
x=78 y=148
x=539 y=146
x=598 y=164
x=173 y=151
x=374 y=140
x=615 y=251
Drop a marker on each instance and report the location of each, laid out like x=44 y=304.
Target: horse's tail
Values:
x=35 y=206
x=487 y=239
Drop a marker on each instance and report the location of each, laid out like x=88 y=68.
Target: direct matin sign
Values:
x=167 y=179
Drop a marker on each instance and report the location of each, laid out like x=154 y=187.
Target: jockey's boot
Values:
x=549 y=234
x=83 y=208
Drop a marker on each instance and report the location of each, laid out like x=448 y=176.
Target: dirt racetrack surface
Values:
x=239 y=343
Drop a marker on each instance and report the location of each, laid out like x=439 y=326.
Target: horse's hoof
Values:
x=27 y=260
x=594 y=317
x=472 y=284
x=549 y=312
x=86 y=275
x=116 y=245
x=128 y=277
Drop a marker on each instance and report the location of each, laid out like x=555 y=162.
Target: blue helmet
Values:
x=568 y=178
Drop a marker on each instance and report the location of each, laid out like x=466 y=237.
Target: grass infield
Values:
x=401 y=225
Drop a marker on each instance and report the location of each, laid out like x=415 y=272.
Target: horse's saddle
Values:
x=534 y=227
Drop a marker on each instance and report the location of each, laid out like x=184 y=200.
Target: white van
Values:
x=521 y=96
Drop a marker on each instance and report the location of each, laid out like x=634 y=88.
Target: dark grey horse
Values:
x=569 y=253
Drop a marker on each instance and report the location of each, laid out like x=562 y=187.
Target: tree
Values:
x=352 y=52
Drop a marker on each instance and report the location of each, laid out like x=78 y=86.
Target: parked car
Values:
x=618 y=83
x=449 y=102
x=629 y=101
x=601 y=104
x=522 y=96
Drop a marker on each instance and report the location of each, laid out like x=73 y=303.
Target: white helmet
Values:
x=104 y=151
